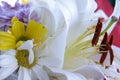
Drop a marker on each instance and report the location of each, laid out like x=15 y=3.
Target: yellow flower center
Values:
x=22 y=57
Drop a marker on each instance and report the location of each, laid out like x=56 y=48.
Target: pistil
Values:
x=22 y=57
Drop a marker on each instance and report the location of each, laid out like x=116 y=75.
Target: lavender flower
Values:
x=21 y=11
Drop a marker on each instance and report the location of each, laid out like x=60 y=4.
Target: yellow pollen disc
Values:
x=22 y=58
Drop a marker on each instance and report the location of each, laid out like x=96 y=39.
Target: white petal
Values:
x=69 y=10
x=7 y=59
x=110 y=72
x=58 y=74
x=55 y=50
x=26 y=45
x=86 y=18
x=86 y=8
x=31 y=56
x=24 y=74
x=116 y=9
x=12 y=76
x=99 y=14
x=90 y=71
x=97 y=58
x=9 y=52
x=6 y=71
x=116 y=51
x=116 y=61
x=40 y=73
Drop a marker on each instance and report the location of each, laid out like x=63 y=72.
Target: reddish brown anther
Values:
x=106 y=48
x=111 y=53
x=97 y=33
x=103 y=48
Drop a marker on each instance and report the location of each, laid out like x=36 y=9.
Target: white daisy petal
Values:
x=40 y=73
x=24 y=74
x=26 y=45
x=5 y=72
x=9 y=52
x=7 y=59
x=31 y=56
x=20 y=74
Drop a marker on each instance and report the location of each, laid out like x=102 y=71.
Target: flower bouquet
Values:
x=58 y=40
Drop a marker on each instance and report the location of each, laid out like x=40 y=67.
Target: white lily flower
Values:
x=78 y=52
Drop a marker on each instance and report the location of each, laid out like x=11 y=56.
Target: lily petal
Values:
x=54 y=54
x=63 y=75
x=90 y=71
x=78 y=26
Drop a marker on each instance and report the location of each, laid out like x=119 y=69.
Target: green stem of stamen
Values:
x=113 y=20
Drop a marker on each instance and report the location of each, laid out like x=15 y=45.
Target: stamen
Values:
x=104 y=55
x=97 y=33
x=103 y=42
x=113 y=20
x=103 y=48
x=22 y=58
x=106 y=48
x=111 y=52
